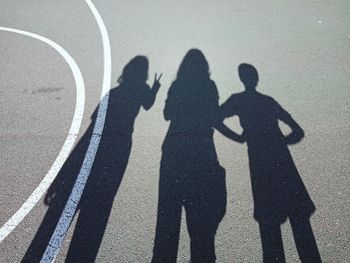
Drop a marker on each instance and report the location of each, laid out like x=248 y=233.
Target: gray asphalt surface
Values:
x=301 y=51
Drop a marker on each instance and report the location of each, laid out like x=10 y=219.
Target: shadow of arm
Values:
x=297 y=132
x=169 y=109
x=151 y=96
x=226 y=110
x=228 y=133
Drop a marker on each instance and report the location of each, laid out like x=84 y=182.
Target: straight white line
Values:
x=74 y=198
x=28 y=205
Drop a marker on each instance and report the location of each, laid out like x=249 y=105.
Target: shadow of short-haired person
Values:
x=278 y=191
x=190 y=174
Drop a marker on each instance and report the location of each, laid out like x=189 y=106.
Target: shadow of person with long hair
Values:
x=278 y=190
x=190 y=174
x=107 y=172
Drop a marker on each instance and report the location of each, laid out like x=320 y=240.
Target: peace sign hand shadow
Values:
x=156 y=83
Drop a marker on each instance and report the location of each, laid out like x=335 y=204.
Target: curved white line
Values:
x=74 y=198
x=28 y=205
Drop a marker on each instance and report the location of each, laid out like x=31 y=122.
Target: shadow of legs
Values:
x=202 y=246
x=272 y=244
x=304 y=239
x=167 y=231
x=88 y=233
x=202 y=225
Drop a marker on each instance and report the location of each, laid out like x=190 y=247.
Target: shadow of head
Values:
x=135 y=72
x=248 y=75
x=193 y=66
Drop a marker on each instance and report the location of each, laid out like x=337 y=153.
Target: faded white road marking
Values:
x=74 y=198
x=28 y=205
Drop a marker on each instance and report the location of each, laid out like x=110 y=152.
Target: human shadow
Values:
x=107 y=172
x=278 y=190
x=190 y=174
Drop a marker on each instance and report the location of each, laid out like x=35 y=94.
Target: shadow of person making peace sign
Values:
x=107 y=172
x=278 y=190
x=190 y=174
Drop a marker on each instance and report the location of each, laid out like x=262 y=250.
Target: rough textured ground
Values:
x=300 y=49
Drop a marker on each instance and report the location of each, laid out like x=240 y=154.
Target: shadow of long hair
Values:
x=107 y=172
x=190 y=174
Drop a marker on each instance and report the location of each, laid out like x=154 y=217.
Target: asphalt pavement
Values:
x=301 y=53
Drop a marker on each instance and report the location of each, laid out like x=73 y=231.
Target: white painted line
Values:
x=74 y=198
x=28 y=205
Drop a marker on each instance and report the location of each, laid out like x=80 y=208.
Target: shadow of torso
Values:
x=104 y=180
x=190 y=174
x=189 y=155
x=278 y=190
x=108 y=170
